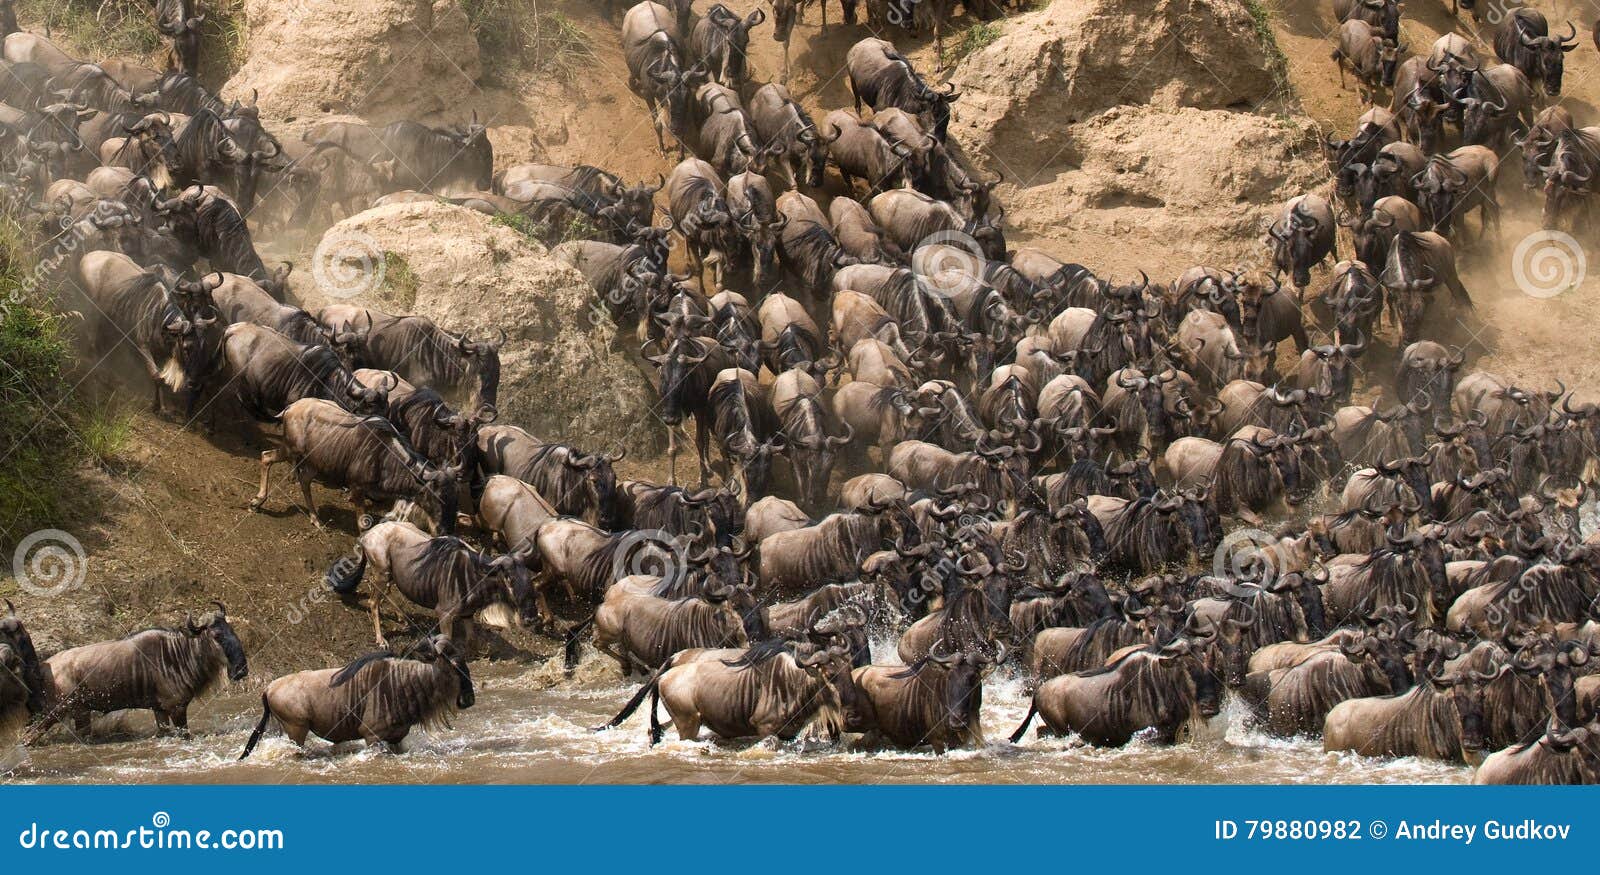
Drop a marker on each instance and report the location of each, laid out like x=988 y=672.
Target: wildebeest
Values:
x=861 y=151
x=167 y=323
x=642 y=630
x=699 y=208
x=721 y=42
x=267 y=371
x=653 y=39
x=765 y=691
x=935 y=701
x=363 y=454
x=576 y=483
x=780 y=121
x=378 y=697
x=442 y=573
x=830 y=551
x=1165 y=688
x=1302 y=237
x=162 y=669
x=430 y=159
x=211 y=226
x=421 y=352
x=881 y=77
x=1420 y=262
x=1453 y=184
x=1561 y=756
x=1524 y=41
x=1368 y=52
x=21 y=678
x=911 y=218
x=178 y=21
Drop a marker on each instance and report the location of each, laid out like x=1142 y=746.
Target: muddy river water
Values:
x=530 y=726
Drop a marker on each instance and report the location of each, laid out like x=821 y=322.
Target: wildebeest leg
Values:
x=374 y=600
x=178 y=719
x=702 y=441
x=672 y=452
x=304 y=478
x=268 y=459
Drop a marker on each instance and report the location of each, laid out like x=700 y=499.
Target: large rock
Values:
x=1179 y=187
x=560 y=377
x=1075 y=58
x=379 y=59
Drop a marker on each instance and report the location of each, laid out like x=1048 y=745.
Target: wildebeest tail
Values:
x=345 y=574
x=1033 y=708
x=656 y=730
x=261 y=727
x=649 y=688
x=574 y=640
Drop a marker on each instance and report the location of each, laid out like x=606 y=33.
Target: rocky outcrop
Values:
x=560 y=377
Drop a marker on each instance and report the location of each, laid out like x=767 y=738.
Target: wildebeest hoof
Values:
x=256 y=503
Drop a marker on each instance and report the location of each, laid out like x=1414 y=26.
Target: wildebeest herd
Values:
x=901 y=425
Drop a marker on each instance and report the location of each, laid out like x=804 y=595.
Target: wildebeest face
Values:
x=784 y=15
x=601 y=479
x=15 y=636
x=1198 y=524
x=216 y=627
x=1207 y=689
x=963 y=695
x=440 y=648
x=513 y=570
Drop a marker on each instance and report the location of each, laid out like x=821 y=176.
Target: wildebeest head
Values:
x=936 y=104
x=15 y=636
x=677 y=360
x=763 y=236
x=1568 y=172
x=1481 y=117
x=1546 y=51
x=1293 y=242
x=196 y=342
x=755 y=460
x=601 y=479
x=1191 y=651
x=512 y=569
x=215 y=626
x=1439 y=187
x=1199 y=519
x=485 y=358
x=440 y=649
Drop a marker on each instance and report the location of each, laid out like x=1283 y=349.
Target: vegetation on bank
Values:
x=517 y=36
x=100 y=29
x=39 y=450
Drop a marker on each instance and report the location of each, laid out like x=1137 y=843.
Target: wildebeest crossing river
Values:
x=523 y=729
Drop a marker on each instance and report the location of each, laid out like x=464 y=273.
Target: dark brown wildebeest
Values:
x=1540 y=140
x=1524 y=42
x=807 y=246
x=1383 y=15
x=1296 y=693
x=1498 y=104
x=1248 y=474
x=362 y=454
x=211 y=226
x=1569 y=174
x=421 y=352
x=425 y=158
x=1563 y=755
x=1441 y=717
x=881 y=77
x=765 y=691
x=442 y=573
x=1453 y=184
x=1429 y=369
x=813 y=435
x=1302 y=237
x=642 y=630
x=636 y=202
x=378 y=697
x=437 y=431
x=1505 y=407
x=1166 y=688
x=180 y=22
x=241 y=299
x=998 y=471
x=1150 y=532
x=575 y=483
x=1419 y=262
x=861 y=151
x=699 y=209
x=935 y=701
x=747 y=431
x=653 y=39
x=1369 y=53
x=779 y=121
x=168 y=323
x=267 y=372
x=21 y=677
x=721 y=42
x=829 y=551
x=162 y=670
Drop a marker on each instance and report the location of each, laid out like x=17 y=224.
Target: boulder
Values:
x=379 y=59
x=1074 y=58
x=1180 y=187
x=560 y=376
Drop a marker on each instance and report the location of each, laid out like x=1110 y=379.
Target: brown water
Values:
x=525 y=730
